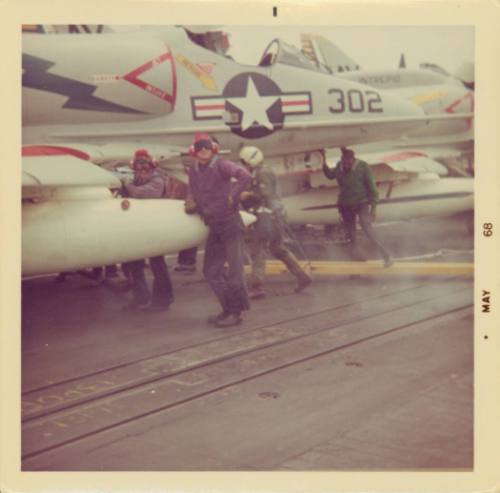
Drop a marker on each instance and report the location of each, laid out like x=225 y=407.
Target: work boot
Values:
x=257 y=294
x=302 y=282
x=303 y=279
x=135 y=305
x=158 y=307
x=212 y=319
x=229 y=320
x=388 y=261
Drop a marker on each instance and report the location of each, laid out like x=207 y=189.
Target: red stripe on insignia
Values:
x=210 y=107
x=295 y=103
x=43 y=150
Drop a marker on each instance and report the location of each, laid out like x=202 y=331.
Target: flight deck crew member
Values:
x=148 y=183
x=358 y=198
x=216 y=199
x=268 y=231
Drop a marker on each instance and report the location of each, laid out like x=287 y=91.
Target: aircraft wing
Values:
x=407 y=161
x=396 y=163
x=42 y=174
x=107 y=155
x=437 y=160
x=64 y=171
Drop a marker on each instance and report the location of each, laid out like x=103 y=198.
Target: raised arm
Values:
x=330 y=173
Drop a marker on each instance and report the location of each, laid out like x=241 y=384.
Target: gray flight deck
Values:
x=355 y=373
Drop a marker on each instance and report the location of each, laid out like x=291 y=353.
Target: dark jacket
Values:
x=211 y=188
x=264 y=186
x=357 y=186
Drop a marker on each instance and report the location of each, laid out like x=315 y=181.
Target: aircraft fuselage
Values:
x=163 y=89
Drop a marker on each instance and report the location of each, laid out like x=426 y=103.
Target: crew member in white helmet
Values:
x=267 y=233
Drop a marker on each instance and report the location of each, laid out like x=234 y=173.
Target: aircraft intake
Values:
x=63 y=79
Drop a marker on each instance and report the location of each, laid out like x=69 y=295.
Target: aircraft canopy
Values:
x=278 y=51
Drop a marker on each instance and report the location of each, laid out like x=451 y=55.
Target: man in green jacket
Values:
x=358 y=197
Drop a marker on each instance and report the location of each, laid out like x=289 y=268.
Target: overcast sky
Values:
x=371 y=47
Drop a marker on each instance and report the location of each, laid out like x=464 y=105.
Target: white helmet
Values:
x=252 y=156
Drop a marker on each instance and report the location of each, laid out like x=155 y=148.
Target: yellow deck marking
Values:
x=375 y=268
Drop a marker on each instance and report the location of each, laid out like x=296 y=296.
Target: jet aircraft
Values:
x=93 y=99
x=430 y=87
x=411 y=171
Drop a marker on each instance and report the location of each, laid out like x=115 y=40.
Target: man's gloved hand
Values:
x=124 y=191
x=126 y=180
x=249 y=200
x=116 y=191
x=245 y=195
x=190 y=206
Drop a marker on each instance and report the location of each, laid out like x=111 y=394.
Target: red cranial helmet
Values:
x=142 y=156
x=203 y=141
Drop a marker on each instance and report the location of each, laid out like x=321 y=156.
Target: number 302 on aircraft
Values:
x=355 y=101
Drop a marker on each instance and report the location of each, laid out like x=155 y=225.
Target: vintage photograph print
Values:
x=247 y=248
x=250 y=252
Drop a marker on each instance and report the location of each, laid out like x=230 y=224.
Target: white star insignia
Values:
x=254 y=107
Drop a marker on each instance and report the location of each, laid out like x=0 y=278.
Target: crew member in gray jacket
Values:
x=148 y=184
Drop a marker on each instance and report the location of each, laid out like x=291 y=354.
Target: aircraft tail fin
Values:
x=465 y=73
x=402 y=61
x=323 y=52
